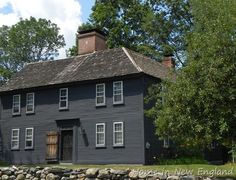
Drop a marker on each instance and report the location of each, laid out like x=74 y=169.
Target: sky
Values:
x=67 y=14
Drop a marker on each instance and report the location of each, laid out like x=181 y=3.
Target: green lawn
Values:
x=227 y=170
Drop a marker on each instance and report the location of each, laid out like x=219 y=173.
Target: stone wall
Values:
x=58 y=173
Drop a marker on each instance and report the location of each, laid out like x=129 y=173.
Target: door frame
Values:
x=69 y=124
x=60 y=145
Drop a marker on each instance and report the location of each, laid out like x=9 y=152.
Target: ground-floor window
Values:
x=118 y=134
x=100 y=135
x=166 y=142
x=29 y=138
x=15 y=139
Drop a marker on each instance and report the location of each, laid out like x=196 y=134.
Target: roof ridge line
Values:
x=40 y=61
x=88 y=54
x=78 y=65
x=132 y=60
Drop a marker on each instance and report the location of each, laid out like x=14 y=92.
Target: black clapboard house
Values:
x=87 y=109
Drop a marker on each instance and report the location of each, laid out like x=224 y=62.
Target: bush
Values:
x=181 y=160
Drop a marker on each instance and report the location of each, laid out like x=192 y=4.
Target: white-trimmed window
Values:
x=30 y=103
x=29 y=138
x=118 y=134
x=100 y=134
x=63 y=98
x=213 y=145
x=166 y=142
x=118 y=92
x=100 y=95
x=16 y=104
x=15 y=134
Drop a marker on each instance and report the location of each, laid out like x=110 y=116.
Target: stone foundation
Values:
x=58 y=173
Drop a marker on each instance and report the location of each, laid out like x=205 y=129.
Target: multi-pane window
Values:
x=118 y=92
x=29 y=136
x=118 y=134
x=63 y=98
x=29 y=102
x=15 y=138
x=100 y=95
x=213 y=145
x=16 y=104
x=100 y=135
x=166 y=142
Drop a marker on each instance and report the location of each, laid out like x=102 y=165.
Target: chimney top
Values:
x=92 y=30
x=168 y=61
x=90 y=41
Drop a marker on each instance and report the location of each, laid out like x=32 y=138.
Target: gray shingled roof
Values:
x=101 y=64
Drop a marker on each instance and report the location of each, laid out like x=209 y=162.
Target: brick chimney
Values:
x=168 y=61
x=90 y=41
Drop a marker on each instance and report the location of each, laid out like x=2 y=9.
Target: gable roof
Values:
x=102 y=64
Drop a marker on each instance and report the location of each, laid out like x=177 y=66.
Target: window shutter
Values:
x=52 y=146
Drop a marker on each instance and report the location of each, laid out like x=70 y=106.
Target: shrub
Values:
x=181 y=160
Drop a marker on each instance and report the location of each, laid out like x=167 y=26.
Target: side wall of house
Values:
x=81 y=107
x=154 y=147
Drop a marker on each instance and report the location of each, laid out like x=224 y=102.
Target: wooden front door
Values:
x=66 y=145
x=52 y=146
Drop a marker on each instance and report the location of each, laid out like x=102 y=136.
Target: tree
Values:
x=30 y=40
x=153 y=28
x=200 y=106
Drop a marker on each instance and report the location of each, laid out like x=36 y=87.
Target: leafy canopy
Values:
x=29 y=40
x=200 y=106
x=151 y=27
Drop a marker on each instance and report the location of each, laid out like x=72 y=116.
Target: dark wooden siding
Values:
x=81 y=106
x=156 y=146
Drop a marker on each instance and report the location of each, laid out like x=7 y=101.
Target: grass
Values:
x=3 y=164
x=227 y=170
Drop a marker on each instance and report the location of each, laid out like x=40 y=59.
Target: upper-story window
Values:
x=30 y=103
x=29 y=138
x=16 y=104
x=63 y=98
x=100 y=95
x=15 y=133
x=118 y=134
x=118 y=92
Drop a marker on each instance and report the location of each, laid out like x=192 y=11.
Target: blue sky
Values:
x=67 y=14
x=86 y=8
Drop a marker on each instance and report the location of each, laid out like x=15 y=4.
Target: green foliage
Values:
x=233 y=152
x=4 y=164
x=29 y=40
x=200 y=106
x=73 y=51
x=153 y=28
x=180 y=161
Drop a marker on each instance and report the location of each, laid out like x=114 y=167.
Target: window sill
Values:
x=101 y=147
x=29 y=149
x=30 y=113
x=18 y=149
x=64 y=109
x=16 y=114
x=118 y=146
x=118 y=103
x=100 y=105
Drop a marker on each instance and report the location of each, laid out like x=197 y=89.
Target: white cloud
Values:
x=65 y=13
x=3 y=3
